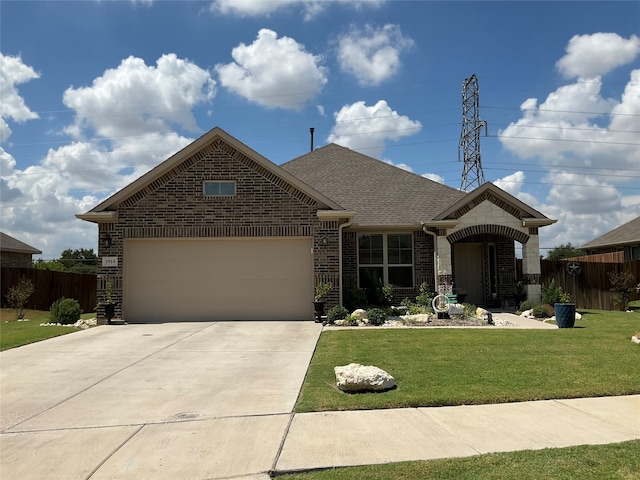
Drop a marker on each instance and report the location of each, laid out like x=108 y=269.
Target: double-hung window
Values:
x=385 y=258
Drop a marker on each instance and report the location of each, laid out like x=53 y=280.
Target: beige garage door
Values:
x=173 y=280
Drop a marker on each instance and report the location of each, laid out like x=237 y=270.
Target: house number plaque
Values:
x=109 y=261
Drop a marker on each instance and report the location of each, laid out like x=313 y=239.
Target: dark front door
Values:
x=468 y=271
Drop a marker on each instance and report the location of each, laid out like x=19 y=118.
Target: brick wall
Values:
x=16 y=260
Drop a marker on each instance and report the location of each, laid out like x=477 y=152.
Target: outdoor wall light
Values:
x=325 y=241
x=106 y=240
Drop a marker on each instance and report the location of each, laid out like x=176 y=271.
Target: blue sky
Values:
x=94 y=93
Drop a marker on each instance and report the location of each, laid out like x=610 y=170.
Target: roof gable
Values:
x=628 y=233
x=489 y=192
x=381 y=194
x=10 y=244
x=196 y=151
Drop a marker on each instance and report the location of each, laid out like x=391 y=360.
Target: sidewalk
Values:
x=340 y=439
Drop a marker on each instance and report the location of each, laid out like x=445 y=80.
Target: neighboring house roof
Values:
x=10 y=244
x=626 y=234
x=105 y=211
x=380 y=194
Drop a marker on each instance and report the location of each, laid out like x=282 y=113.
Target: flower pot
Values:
x=318 y=306
x=109 y=311
x=565 y=314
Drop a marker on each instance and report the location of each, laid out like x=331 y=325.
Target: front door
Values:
x=468 y=271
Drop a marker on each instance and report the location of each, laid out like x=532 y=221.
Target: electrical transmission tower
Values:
x=472 y=175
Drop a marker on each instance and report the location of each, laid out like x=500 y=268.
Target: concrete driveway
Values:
x=195 y=400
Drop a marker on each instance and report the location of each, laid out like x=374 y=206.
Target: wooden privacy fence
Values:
x=591 y=287
x=50 y=286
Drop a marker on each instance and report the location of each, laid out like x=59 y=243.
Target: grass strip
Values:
x=618 y=461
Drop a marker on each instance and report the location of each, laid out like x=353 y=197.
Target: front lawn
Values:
x=620 y=461
x=14 y=333
x=435 y=367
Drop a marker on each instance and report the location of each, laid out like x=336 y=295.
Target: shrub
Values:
x=622 y=284
x=426 y=296
x=469 y=310
x=351 y=321
x=387 y=293
x=19 y=294
x=354 y=298
x=376 y=316
x=65 y=311
x=542 y=311
x=551 y=294
x=527 y=305
x=337 y=313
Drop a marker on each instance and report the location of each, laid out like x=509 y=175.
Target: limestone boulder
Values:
x=357 y=378
x=360 y=314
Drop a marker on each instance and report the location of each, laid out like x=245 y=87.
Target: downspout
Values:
x=340 y=228
x=435 y=256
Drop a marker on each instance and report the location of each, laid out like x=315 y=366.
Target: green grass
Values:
x=15 y=334
x=620 y=461
x=436 y=367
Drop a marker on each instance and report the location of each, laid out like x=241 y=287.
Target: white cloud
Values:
x=13 y=72
x=366 y=128
x=434 y=176
x=127 y=116
x=273 y=72
x=513 y=184
x=258 y=8
x=597 y=54
x=135 y=99
x=580 y=194
x=372 y=55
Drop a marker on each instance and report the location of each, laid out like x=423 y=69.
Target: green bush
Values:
x=426 y=295
x=527 y=305
x=376 y=316
x=551 y=294
x=354 y=298
x=65 y=311
x=469 y=310
x=542 y=311
x=622 y=284
x=337 y=313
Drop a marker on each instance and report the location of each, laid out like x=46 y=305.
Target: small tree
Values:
x=622 y=284
x=19 y=294
x=564 y=251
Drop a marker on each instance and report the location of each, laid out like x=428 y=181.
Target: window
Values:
x=219 y=189
x=386 y=259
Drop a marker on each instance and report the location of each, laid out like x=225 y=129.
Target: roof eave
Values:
x=99 y=217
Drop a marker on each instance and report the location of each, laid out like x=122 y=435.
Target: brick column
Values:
x=445 y=273
x=531 y=267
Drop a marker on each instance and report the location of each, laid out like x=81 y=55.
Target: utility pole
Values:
x=472 y=175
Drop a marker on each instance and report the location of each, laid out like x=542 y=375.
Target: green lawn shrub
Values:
x=528 y=305
x=542 y=311
x=376 y=316
x=337 y=313
x=65 y=311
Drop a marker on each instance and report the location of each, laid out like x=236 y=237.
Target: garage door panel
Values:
x=218 y=279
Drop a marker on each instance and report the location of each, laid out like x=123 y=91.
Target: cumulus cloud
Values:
x=586 y=142
x=273 y=72
x=434 y=176
x=372 y=55
x=258 y=8
x=135 y=99
x=576 y=126
x=597 y=54
x=366 y=128
x=13 y=72
x=124 y=125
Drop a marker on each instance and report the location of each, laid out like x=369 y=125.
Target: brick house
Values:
x=217 y=231
x=16 y=254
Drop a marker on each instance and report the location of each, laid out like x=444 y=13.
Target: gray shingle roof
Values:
x=380 y=194
x=10 y=244
x=626 y=234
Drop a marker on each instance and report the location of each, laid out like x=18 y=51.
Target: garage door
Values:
x=172 y=280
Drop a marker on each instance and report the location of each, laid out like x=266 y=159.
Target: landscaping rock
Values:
x=481 y=312
x=360 y=314
x=456 y=309
x=357 y=378
x=635 y=339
